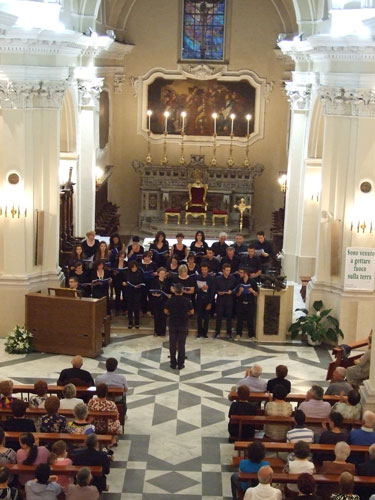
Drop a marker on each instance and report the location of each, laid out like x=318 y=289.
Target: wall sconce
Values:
x=11 y=196
x=99 y=172
x=282 y=180
x=364 y=205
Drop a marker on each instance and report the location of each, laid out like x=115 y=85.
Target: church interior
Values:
x=240 y=128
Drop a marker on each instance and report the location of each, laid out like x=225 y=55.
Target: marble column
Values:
x=299 y=95
x=30 y=144
x=89 y=91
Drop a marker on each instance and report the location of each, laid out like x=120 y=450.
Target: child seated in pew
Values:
x=7 y=492
x=43 y=486
x=38 y=399
x=52 y=422
x=242 y=407
x=59 y=456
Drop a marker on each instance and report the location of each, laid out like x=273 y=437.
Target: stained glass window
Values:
x=203 y=30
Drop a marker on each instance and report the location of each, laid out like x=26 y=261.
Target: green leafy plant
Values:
x=20 y=341
x=319 y=325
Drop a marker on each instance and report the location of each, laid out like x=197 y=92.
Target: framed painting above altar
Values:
x=201 y=98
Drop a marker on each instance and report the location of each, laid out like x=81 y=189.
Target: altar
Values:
x=164 y=187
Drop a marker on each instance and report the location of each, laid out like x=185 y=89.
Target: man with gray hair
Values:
x=252 y=379
x=314 y=406
x=338 y=385
x=364 y=436
x=76 y=375
x=82 y=489
x=264 y=490
x=220 y=247
x=90 y=456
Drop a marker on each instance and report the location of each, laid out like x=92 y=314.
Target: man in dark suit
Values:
x=90 y=455
x=76 y=375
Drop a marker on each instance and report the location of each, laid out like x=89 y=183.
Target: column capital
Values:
x=299 y=95
x=89 y=90
x=347 y=102
x=26 y=94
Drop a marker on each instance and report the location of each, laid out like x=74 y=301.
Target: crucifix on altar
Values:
x=241 y=207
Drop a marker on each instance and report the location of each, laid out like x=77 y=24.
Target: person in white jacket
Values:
x=264 y=490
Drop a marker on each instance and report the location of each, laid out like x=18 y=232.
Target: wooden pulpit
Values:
x=65 y=325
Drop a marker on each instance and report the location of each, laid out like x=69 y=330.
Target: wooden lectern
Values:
x=65 y=325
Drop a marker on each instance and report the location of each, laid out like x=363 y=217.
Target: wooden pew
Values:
x=27 y=389
x=257 y=420
x=297 y=398
x=39 y=412
x=51 y=437
x=242 y=446
x=70 y=470
x=339 y=355
x=319 y=478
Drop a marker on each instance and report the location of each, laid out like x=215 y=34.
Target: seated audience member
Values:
x=52 y=422
x=69 y=401
x=367 y=469
x=301 y=463
x=339 y=464
x=300 y=432
x=338 y=385
x=80 y=424
x=334 y=432
x=306 y=487
x=346 y=484
x=41 y=393
x=101 y=403
x=43 y=486
x=76 y=374
x=111 y=378
x=277 y=408
x=82 y=490
x=349 y=406
x=18 y=422
x=281 y=373
x=7 y=492
x=314 y=406
x=90 y=456
x=254 y=461
x=242 y=407
x=30 y=454
x=6 y=390
x=264 y=490
x=59 y=456
x=365 y=435
x=7 y=455
x=220 y=247
x=356 y=374
x=252 y=379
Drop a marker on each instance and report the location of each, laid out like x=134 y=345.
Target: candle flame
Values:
x=248 y=117
x=214 y=116
x=183 y=114
x=232 y=116
x=149 y=112
x=166 y=114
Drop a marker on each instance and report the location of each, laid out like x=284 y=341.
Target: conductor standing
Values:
x=178 y=309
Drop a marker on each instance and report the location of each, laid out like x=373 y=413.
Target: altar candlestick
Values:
x=149 y=113
x=183 y=116
x=214 y=116
x=166 y=114
x=232 y=117
x=248 y=118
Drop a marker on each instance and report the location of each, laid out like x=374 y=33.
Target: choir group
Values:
x=220 y=280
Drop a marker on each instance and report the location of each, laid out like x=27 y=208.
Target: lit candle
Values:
x=248 y=118
x=214 y=116
x=183 y=115
x=149 y=113
x=166 y=114
x=232 y=117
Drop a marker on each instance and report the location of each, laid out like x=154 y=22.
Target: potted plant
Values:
x=318 y=325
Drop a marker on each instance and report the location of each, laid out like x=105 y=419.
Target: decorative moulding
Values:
x=202 y=72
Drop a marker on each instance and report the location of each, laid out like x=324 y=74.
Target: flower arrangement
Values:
x=20 y=341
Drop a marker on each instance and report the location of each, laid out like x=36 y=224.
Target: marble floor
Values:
x=175 y=442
